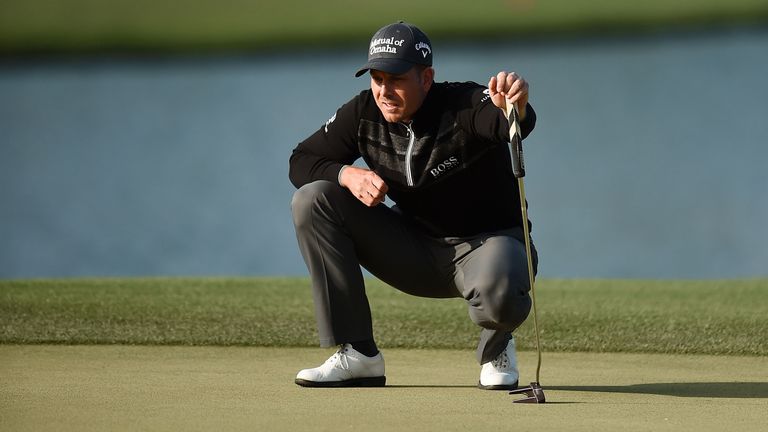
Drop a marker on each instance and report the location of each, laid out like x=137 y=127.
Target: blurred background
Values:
x=144 y=138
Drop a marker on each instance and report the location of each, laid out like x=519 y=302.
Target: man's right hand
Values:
x=364 y=184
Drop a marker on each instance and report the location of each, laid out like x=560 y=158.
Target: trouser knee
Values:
x=309 y=197
x=505 y=303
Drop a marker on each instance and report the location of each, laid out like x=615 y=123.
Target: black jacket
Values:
x=454 y=177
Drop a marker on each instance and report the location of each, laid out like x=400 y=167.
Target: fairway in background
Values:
x=703 y=317
x=29 y=26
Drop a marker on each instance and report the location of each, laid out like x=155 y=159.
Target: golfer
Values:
x=439 y=151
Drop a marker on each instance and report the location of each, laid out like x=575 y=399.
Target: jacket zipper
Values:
x=409 y=154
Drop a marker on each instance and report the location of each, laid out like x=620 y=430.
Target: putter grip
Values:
x=516 y=145
x=518 y=166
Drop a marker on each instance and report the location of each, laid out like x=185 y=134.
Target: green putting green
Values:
x=97 y=388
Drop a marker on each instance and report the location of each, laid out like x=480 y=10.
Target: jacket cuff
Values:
x=338 y=177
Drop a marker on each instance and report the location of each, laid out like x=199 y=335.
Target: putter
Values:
x=534 y=393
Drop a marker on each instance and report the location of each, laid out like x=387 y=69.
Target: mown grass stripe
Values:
x=704 y=317
x=209 y=25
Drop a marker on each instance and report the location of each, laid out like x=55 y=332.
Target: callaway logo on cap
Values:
x=396 y=48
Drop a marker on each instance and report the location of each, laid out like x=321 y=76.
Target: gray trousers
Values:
x=337 y=234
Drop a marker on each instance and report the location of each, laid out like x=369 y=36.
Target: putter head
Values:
x=534 y=393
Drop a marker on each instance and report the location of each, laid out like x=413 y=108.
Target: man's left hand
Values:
x=509 y=86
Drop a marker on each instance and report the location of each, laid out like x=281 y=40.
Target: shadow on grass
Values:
x=757 y=390
x=436 y=386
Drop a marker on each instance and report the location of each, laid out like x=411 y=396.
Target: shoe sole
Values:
x=357 y=382
x=498 y=386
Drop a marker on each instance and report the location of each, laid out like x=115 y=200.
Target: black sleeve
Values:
x=486 y=120
x=324 y=153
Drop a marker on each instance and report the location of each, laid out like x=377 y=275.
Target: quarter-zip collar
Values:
x=409 y=153
x=418 y=117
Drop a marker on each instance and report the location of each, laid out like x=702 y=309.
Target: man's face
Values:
x=400 y=96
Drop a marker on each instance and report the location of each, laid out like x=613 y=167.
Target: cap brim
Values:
x=388 y=65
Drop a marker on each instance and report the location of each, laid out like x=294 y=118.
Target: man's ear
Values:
x=427 y=78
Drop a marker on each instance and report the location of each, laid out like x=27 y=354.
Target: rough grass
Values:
x=204 y=25
x=704 y=317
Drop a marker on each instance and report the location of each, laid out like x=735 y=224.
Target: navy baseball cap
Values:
x=396 y=48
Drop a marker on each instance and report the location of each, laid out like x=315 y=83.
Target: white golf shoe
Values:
x=345 y=368
x=501 y=373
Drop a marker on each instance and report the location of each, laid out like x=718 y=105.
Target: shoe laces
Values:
x=501 y=361
x=339 y=358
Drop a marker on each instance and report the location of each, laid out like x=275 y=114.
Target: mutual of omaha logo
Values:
x=487 y=93
x=330 y=120
x=385 y=45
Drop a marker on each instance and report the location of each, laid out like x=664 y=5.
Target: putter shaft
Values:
x=531 y=277
x=534 y=393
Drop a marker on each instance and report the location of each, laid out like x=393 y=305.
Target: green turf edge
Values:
x=705 y=317
x=206 y=26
